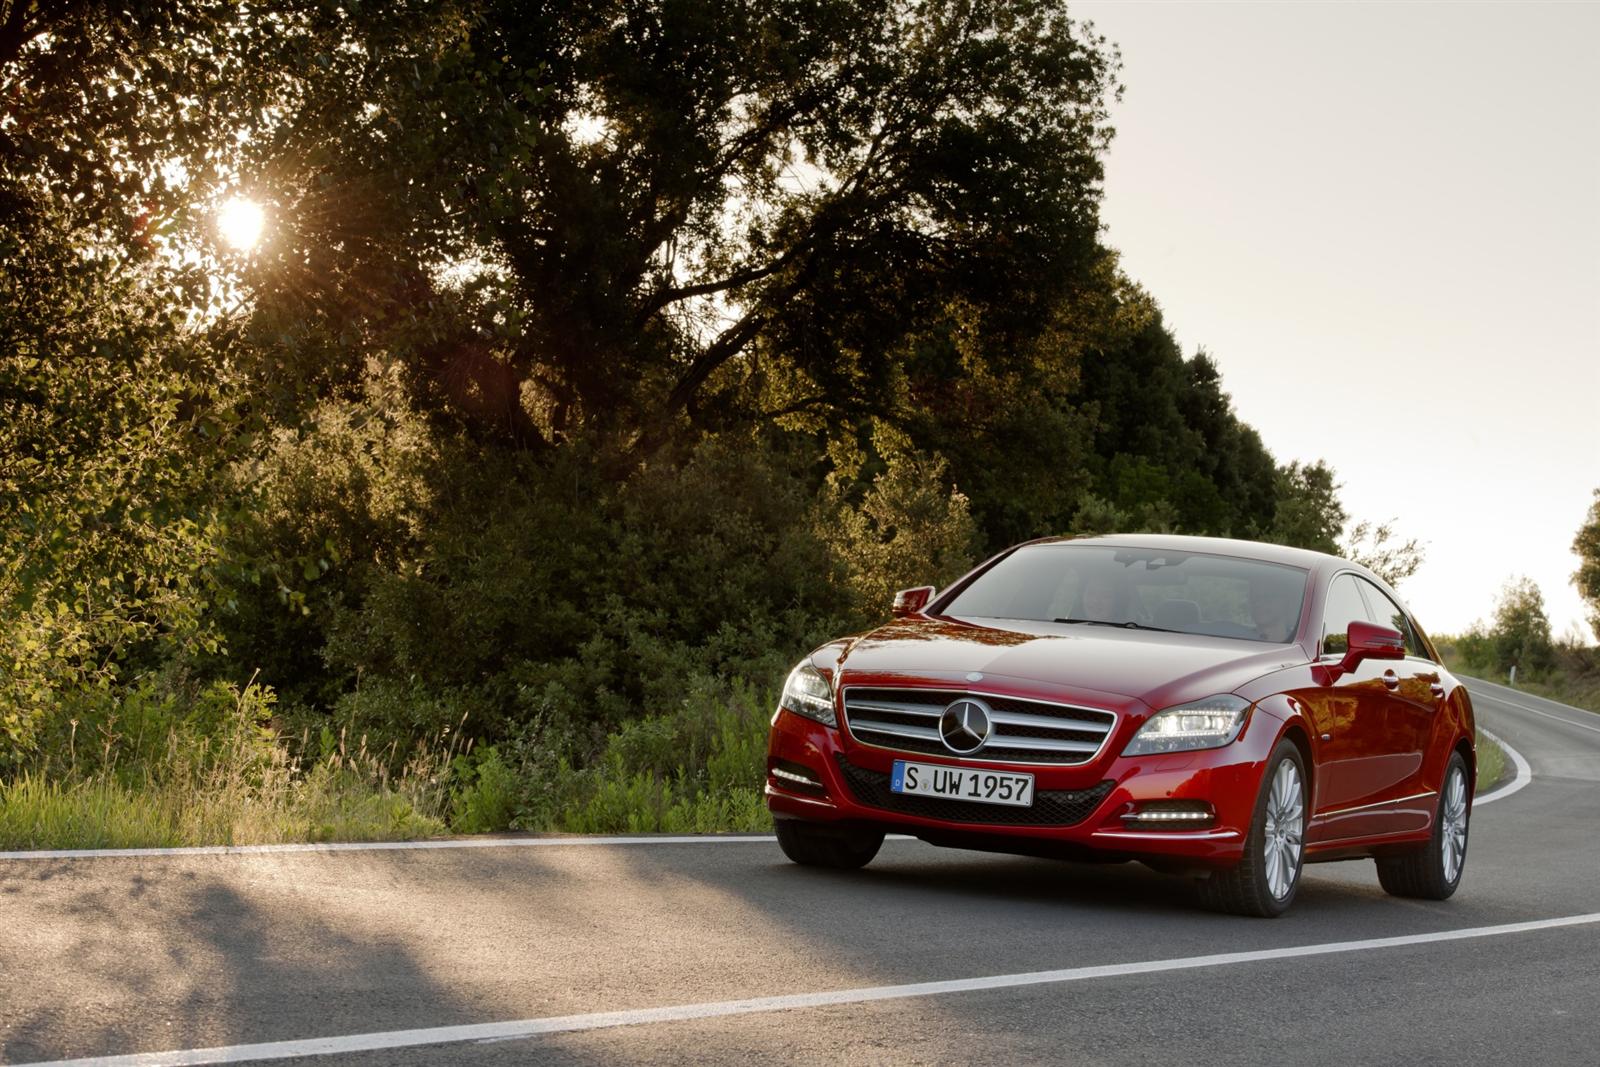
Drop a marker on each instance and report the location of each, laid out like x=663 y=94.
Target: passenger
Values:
x=1274 y=604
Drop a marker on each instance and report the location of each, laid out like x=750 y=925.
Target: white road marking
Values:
x=399 y=846
x=385 y=846
x=1558 y=718
x=525 y=1028
x=1523 y=777
x=1512 y=703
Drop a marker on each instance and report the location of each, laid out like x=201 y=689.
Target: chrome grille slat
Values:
x=923 y=733
x=899 y=707
x=1048 y=744
x=1023 y=730
x=1008 y=718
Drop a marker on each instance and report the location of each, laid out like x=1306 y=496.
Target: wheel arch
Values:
x=1469 y=755
x=1295 y=731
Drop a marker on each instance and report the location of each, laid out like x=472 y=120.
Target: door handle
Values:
x=1391 y=679
x=1437 y=689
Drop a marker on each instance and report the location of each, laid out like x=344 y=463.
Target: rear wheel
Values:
x=1264 y=882
x=815 y=846
x=1433 y=871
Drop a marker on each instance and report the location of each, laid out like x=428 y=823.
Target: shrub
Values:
x=485 y=794
x=697 y=769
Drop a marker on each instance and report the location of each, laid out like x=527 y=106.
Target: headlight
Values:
x=1209 y=723
x=808 y=693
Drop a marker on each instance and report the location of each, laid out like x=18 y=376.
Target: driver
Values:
x=1104 y=598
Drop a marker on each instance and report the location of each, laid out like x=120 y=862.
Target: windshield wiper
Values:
x=1122 y=625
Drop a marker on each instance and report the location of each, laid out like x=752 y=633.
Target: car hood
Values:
x=1158 y=669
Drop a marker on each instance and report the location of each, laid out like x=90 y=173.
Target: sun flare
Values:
x=240 y=222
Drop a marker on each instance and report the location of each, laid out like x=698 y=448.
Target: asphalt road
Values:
x=140 y=954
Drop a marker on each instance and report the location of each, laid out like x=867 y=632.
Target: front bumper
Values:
x=1078 y=809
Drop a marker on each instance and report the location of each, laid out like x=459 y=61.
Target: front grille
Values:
x=1051 y=807
x=1025 y=731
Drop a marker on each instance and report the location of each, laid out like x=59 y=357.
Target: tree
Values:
x=1308 y=513
x=1377 y=548
x=638 y=219
x=1587 y=576
x=109 y=415
x=1521 y=632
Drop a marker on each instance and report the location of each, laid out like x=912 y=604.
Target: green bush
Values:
x=485 y=794
x=698 y=769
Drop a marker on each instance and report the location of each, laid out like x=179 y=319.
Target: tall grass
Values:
x=221 y=775
x=219 y=779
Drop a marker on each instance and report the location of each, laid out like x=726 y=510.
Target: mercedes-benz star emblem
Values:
x=965 y=726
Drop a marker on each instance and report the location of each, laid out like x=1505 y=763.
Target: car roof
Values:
x=1216 y=546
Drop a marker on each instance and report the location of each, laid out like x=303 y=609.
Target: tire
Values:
x=1265 y=881
x=813 y=847
x=1433 y=871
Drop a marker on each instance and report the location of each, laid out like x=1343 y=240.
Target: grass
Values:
x=1492 y=763
x=1578 y=692
x=1574 y=680
x=219 y=776
x=101 y=812
x=698 y=769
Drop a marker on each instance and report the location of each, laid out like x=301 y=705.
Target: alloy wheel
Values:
x=1453 y=835
x=1285 y=824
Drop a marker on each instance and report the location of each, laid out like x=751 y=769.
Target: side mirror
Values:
x=1368 y=640
x=911 y=601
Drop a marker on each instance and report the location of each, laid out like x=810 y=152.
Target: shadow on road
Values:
x=111 y=956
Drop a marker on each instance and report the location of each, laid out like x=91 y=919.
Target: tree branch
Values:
x=15 y=33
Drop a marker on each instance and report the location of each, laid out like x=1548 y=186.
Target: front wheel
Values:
x=813 y=846
x=1433 y=871
x=1264 y=882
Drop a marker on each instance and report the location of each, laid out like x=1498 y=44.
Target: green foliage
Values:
x=1521 y=632
x=697 y=769
x=1587 y=577
x=1308 y=513
x=908 y=530
x=1376 y=547
x=166 y=768
x=1519 y=635
x=105 y=448
x=485 y=793
x=598 y=361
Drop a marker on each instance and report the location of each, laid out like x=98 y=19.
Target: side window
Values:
x=1344 y=606
x=1386 y=611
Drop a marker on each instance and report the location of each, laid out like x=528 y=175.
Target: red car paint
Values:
x=1375 y=747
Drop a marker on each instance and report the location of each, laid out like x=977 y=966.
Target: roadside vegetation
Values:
x=585 y=373
x=1566 y=669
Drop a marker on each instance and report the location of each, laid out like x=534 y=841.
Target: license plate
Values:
x=962 y=783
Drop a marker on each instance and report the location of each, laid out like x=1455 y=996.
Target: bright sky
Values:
x=1383 y=221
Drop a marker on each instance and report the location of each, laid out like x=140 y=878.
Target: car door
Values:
x=1415 y=693
x=1348 y=711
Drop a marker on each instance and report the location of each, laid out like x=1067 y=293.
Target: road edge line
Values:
x=1521 y=781
x=401 y=846
x=385 y=846
x=525 y=1028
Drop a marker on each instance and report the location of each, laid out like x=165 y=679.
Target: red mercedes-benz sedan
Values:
x=1223 y=709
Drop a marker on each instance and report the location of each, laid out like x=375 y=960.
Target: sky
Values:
x=1383 y=223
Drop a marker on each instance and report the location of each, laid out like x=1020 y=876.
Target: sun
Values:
x=240 y=221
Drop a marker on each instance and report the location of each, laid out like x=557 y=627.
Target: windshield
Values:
x=1139 y=588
